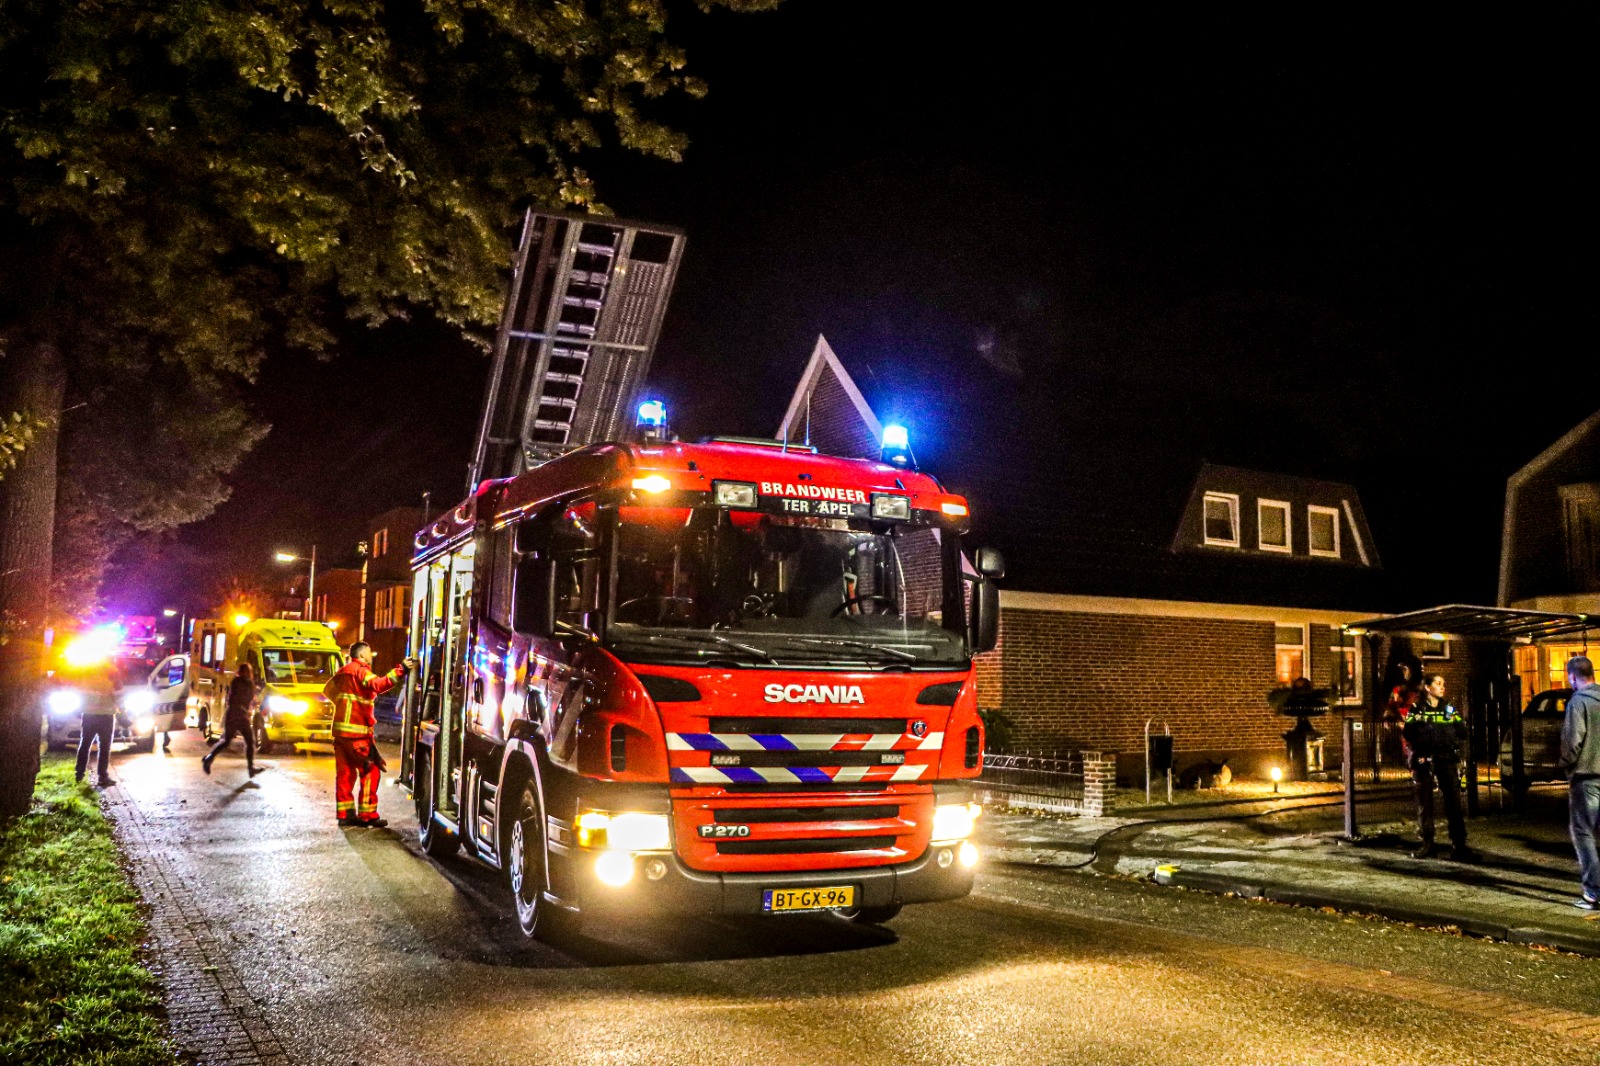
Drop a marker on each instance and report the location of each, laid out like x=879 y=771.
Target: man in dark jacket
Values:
x=1580 y=756
x=236 y=722
x=1434 y=732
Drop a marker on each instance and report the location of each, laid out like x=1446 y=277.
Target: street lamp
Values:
x=241 y=620
x=311 y=581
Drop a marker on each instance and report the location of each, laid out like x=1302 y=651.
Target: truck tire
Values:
x=872 y=915
x=436 y=840
x=526 y=870
x=145 y=744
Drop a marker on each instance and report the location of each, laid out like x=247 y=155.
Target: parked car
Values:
x=1541 y=737
x=148 y=701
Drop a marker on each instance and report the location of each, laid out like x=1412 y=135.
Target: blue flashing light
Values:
x=653 y=413
x=896 y=438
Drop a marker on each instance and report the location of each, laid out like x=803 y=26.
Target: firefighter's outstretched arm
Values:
x=382 y=684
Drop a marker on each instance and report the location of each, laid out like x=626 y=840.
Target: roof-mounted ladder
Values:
x=579 y=329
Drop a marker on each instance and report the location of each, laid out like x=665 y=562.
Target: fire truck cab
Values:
x=732 y=677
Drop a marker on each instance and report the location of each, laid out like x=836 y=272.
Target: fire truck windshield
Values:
x=791 y=590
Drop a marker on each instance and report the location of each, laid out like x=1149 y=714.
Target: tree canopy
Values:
x=186 y=186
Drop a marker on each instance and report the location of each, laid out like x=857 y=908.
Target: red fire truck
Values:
x=732 y=677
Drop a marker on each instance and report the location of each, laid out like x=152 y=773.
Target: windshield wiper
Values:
x=706 y=638
x=840 y=642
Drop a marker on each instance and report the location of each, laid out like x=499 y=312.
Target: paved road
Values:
x=284 y=939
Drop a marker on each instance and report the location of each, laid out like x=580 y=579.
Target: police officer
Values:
x=1434 y=733
x=99 y=688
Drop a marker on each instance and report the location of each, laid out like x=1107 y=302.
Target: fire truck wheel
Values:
x=871 y=915
x=436 y=840
x=525 y=868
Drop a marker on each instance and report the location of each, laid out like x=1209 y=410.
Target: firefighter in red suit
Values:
x=355 y=752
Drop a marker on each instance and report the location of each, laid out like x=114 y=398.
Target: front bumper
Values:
x=686 y=891
x=290 y=732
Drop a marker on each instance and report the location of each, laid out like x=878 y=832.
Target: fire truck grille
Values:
x=760 y=815
x=730 y=833
x=817 y=846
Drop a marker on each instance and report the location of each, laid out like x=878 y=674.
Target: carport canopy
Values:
x=1491 y=623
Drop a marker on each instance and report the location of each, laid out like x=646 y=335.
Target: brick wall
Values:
x=836 y=425
x=1075 y=681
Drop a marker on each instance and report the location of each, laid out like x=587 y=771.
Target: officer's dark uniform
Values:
x=1434 y=732
x=99 y=720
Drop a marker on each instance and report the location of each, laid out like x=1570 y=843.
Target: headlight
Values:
x=65 y=701
x=139 y=701
x=893 y=508
x=955 y=821
x=284 y=705
x=734 y=493
x=624 y=832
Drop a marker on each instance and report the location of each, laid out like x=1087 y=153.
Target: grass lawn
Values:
x=71 y=986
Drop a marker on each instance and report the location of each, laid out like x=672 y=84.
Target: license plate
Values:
x=784 y=900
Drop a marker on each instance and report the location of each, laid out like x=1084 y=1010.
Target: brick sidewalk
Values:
x=213 y=1018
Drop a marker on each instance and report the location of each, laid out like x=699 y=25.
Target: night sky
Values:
x=1348 y=251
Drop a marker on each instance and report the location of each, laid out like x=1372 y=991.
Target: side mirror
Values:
x=533 y=606
x=983 y=631
x=989 y=562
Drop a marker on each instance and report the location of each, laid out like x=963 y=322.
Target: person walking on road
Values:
x=236 y=721
x=355 y=751
x=99 y=689
x=1434 y=732
x=1580 y=756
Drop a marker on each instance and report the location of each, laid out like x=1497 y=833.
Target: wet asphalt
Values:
x=358 y=949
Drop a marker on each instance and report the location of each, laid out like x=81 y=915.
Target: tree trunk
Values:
x=33 y=380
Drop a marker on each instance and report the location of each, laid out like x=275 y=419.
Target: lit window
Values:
x=1346 y=668
x=1272 y=525
x=1291 y=657
x=1434 y=648
x=1322 y=525
x=380 y=543
x=1222 y=519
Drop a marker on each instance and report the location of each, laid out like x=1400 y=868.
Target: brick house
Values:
x=1144 y=588
x=382 y=615
x=1550 y=548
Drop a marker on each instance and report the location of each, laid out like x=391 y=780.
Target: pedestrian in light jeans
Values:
x=1580 y=755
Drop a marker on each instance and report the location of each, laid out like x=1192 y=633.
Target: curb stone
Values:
x=1222 y=884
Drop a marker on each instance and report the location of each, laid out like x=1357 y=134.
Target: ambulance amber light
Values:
x=653 y=483
x=734 y=493
x=894 y=508
x=955 y=510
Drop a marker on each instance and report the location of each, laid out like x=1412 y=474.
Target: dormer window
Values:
x=1222 y=519
x=1272 y=526
x=1322 y=525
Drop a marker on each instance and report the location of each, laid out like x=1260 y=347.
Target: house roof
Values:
x=1097 y=512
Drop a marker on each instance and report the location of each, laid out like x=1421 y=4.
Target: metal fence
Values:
x=1049 y=779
